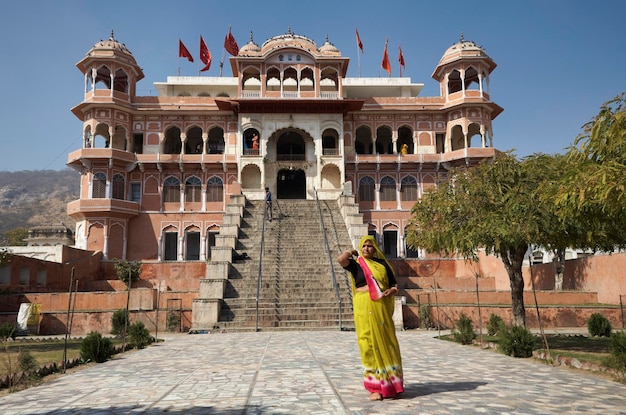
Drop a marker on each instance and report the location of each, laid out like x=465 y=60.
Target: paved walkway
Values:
x=316 y=373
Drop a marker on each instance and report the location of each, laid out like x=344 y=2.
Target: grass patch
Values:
x=45 y=352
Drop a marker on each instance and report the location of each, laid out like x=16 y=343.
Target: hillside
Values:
x=36 y=197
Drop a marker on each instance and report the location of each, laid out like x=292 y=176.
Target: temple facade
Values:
x=157 y=172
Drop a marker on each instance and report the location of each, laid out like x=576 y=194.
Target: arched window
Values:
x=193 y=189
x=387 y=189
x=367 y=186
x=171 y=189
x=214 y=190
x=408 y=189
x=118 y=186
x=99 y=186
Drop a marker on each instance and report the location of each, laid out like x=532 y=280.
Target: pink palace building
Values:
x=157 y=172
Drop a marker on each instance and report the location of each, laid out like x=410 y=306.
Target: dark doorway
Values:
x=291 y=184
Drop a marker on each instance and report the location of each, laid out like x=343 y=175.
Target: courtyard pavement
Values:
x=317 y=373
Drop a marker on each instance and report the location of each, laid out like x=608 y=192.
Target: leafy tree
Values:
x=127 y=271
x=16 y=236
x=593 y=188
x=493 y=206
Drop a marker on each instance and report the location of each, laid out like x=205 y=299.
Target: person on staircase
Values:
x=268 y=203
x=373 y=289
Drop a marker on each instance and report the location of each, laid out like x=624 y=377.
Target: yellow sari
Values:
x=376 y=333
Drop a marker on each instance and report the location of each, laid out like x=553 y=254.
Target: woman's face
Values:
x=368 y=250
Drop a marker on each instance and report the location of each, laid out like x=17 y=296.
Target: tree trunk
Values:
x=559 y=267
x=513 y=259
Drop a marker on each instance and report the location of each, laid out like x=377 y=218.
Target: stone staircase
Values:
x=296 y=288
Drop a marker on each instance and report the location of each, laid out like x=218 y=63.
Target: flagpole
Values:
x=358 y=54
x=222 y=61
x=179 y=66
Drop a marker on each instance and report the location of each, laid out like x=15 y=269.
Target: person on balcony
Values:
x=373 y=289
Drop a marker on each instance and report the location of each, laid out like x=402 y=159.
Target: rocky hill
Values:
x=36 y=197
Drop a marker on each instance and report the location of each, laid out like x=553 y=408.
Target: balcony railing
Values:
x=290 y=157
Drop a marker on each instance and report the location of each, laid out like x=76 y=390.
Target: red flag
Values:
x=230 y=44
x=358 y=41
x=386 y=64
x=205 y=55
x=183 y=52
x=401 y=57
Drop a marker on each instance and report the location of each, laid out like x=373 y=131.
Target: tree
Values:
x=492 y=206
x=127 y=271
x=16 y=236
x=593 y=188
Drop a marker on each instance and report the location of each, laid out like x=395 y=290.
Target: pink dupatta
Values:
x=372 y=284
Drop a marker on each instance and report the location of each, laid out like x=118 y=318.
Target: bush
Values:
x=598 y=325
x=495 y=325
x=119 y=322
x=28 y=365
x=173 y=321
x=516 y=341
x=7 y=331
x=138 y=335
x=464 y=331
x=424 y=316
x=96 y=348
x=618 y=351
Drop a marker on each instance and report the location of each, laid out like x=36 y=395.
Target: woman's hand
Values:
x=390 y=291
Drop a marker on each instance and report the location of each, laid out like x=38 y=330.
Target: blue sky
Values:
x=558 y=60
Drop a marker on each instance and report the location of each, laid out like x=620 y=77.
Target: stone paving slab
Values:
x=317 y=373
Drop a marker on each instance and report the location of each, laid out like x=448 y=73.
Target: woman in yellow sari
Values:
x=373 y=289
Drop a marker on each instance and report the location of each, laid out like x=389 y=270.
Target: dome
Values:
x=289 y=39
x=250 y=48
x=463 y=49
x=329 y=49
x=109 y=45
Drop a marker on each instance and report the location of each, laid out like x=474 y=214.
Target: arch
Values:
x=192 y=243
x=118 y=187
x=387 y=189
x=103 y=77
x=115 y=243
x=119 y=138
x=331 y=177
x=95 y=236
x=215 y=189
x=290 y=80
x=291 y=184
x=215 y=142
x=408 y=189
x=251 y=79
x=409 y=252
x=272 y=77
x=87 y=137
x=363 y=140
x=390 y=240
x=172 y=143
x=454 y=82
x=471 y=79
x=384 y=143
x=473 y=130
x=120 y=81
x=405 y=136
x=290 y=146
x=193 y=189
x=102 y=131
x=193 y=140
x=247 y=142
x=329 y=80
x=169 y=248
x=251 y=177
x=457 y=139
x=330 y=140
x=307 y=80
x=367 y=188
x=171 y=189
x=99 y=186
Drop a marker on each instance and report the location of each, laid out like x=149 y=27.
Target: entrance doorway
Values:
x=291 y=184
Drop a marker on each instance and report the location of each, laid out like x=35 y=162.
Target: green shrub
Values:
x=7 y=331
x=28 y=365
x=138 y=335
x=119 y=322
x=495 y=325
x=173 y=321
x=463 y=332
x=516 y=341
x=618 y=351
x=598 y=325
x=424 y=316
x=96 y=348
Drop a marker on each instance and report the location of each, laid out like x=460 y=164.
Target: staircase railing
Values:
x=330 y=259
x=259 y=275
